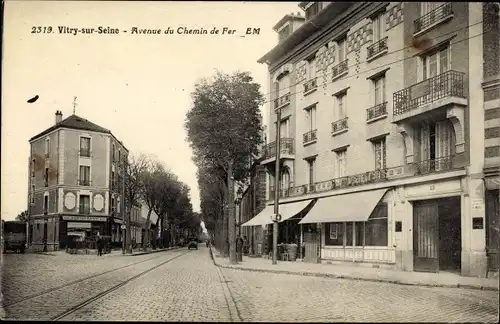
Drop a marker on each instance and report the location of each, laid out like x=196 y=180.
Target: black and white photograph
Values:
x=250 y=161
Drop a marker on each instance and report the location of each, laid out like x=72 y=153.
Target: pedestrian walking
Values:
x=100 y=244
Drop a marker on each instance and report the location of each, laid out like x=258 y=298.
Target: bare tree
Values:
x=151 y=192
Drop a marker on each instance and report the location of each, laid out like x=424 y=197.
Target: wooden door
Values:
x=311 y=244
x=426 y=237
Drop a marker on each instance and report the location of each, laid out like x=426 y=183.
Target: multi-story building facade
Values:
x=386 y=111
x=75 y=183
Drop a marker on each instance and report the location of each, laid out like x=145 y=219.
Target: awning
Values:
x=354 y=207
x=286 y=211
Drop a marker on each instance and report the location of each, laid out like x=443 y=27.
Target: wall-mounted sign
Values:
x=399 y=226
x=84 y=218
x=477 y=204
x=477 y=223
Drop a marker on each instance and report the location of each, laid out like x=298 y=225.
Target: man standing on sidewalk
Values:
x=99 y=246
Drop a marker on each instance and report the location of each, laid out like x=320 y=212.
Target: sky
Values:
x=136 y=85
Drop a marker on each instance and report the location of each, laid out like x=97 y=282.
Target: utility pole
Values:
x=126 y=213
x=277 y=187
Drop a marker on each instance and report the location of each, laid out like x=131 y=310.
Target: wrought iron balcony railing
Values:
x=281 y=101
x=339 y=69
x=310 y=85
x=447 y=84
x=286 y=147
x=375 y=176
x=309 y=136
x=377 y=47
x=376 y=111
x=433 y=165
x=340 y=125
x=433 y=17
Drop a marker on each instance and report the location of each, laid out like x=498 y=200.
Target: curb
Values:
x=150 y=252
x=334 y=276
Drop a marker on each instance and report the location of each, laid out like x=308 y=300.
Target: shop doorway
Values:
x=312 y=244
x=437 y=235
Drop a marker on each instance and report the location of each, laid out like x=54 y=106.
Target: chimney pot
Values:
x=58 y=116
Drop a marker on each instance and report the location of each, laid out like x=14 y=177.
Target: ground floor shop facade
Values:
x=51 y=232
x=435 y=223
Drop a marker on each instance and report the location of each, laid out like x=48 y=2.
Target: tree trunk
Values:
x=225 y=222
x=157 y=227
x=146 y=230
x=232 y=220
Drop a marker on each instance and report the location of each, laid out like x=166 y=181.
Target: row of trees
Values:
x=148 y=182
x=224 y=130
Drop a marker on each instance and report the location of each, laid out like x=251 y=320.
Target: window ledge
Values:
x=369 y=121
x=310 y=142
x=338 y=76
x=308 y=92
x=282 y=106
x=340 y=132
x=376 y=56
x=434 y=25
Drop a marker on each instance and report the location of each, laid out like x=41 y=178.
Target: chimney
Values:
x=58 y=116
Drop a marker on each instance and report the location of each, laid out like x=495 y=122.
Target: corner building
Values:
x=389 y=134
x=74 y=183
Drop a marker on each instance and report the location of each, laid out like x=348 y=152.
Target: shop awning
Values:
x=354 y=207
x=286 y=211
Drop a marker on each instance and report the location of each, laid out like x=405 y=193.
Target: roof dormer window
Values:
x=312 y=10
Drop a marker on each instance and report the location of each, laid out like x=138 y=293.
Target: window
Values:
x=47 y=147
x=312 y=68
x=379 y=149
x=379 y=90
x=435 y=63
x=335 y=234
x=113 y=153
x=84 y=175
x=45 y=204
x=341 y=44
x=437 y=141
x=378 y=25
x=310 y=167
x=427 y=7
x=113 y=207
x=84 y=204
x=32 y=194
x=284 y=85
x=311 y=118
x=33 y=165
x=285 y=128
x=341 y=170
x=313 y=10
x=85 y=146
x=119 y=156
x=46 y=177
x=376 y=227
x=285 y=180
x=341 y=100
x=112 y=180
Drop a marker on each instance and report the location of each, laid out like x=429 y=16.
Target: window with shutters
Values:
x=437 y=145
x=47 y=147
x=84 y=175
x=84 y=204
x=341 y=163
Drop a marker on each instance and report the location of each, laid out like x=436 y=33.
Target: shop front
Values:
x=81 y=226
x=353 y=227
x=493 y=224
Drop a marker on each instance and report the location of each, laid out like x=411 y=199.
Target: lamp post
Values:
x=276 y=186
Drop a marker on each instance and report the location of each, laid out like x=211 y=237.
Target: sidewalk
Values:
x=449 y=280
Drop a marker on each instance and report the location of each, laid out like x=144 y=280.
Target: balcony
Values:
x=376 y=112
x=286 y=150
x=282 y=101
x=340 y=70
x=309 y=137
x=310 y=86
x=433 y=18
x=377 y=49
x=340 y=126
x=442 y=90
x=448 y=163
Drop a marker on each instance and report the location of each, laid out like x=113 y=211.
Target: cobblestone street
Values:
x=191 y=288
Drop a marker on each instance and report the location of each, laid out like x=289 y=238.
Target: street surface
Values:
x=190 y=288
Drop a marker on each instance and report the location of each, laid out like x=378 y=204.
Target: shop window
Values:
x=359 y=228
x=376 y=227
x=334 y=234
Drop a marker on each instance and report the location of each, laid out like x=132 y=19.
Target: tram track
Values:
x=100 y=295
x=74 y=282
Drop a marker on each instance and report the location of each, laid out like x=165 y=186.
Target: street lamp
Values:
x=277 y=186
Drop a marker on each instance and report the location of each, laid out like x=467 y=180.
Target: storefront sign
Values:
x=79 y=225
x=477 y=204
x=118 y=221
x=84 y=218
x=477 y=223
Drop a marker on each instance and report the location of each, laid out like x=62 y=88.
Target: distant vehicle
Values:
x=193 y=243
x=14 y=236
